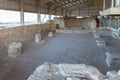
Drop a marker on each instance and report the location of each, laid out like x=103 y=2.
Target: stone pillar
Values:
x=38 y=38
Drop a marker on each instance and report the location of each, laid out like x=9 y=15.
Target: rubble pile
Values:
x=66 y=72
x=14 y=49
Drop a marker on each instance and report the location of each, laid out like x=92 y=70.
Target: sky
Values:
x=7 y=16
x=14 y=16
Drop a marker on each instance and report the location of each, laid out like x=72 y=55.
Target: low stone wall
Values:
x=72 y=22
x=59 y=22
x=20 y=34
x=80 y=23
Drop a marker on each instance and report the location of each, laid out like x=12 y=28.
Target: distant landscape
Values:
x=15 y=24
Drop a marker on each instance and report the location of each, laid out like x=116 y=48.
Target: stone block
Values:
x=38 y=38
x=73 y=78
x=96 y=36
x=43 y=41
x=100 y=42
x=14 y=49
x=69 y=71
x=113 y=75
x=110 y=57
x=50 y=34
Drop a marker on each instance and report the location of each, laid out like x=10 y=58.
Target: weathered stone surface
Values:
x=96 y=36
x=38 y=38
x=112 y=57
x=43 y=41
x=113 y=75
x=119 y=72
x=69 y=71
x=14 y=49
x=50 y=34
x=100 y=42
x=72 y=31
x=73 y=78
x=44 y=72
x=116 y=34
x=59 y=22
x=108 y=59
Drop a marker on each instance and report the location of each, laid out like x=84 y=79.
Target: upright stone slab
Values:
x=14 y=49
x=110 y=57
x=43 y=41
x=100 y=42
x=96 y=36
x=50 y=34
x=38 y=38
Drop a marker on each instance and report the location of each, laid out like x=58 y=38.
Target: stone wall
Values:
x=80 y=23
x=9 y=35
x=59 y=21
x=74 y=22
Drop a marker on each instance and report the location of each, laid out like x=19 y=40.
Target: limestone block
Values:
x=118 y=72
x=43 y=41
x=38 y=38
x=113 y=75
x=96 y=36
x=108 y=59
x=72 y=78
x=50 y=34
x=100 y=42
x=69 y=71
x=116 y=34
x=14 y=49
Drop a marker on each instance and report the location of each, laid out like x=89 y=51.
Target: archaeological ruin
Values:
x=59 y=39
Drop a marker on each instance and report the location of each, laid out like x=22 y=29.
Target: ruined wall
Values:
x=73 y=22
x=22 y=33
x=59 y=21
x=80 y=23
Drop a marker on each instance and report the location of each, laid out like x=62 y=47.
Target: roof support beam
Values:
x=22 y=12
x=38 y=14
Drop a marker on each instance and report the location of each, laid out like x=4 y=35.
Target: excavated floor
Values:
x=63 y=48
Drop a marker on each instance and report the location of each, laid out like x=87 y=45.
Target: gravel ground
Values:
x=63 y=48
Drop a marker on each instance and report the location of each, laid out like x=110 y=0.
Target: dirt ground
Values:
x=62 y=48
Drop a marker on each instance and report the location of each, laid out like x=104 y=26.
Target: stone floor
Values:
x=63 y=48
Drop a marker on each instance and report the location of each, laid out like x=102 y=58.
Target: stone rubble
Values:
x=71 y=72
x=50 y=34
x=113 y=75
x=110 y=58
x=67 y=71
x=14 y=49
x=38 y=38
